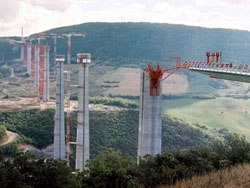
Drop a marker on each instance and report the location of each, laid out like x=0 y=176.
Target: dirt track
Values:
x=11 y=138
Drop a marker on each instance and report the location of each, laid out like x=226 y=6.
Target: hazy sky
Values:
x=40 y=15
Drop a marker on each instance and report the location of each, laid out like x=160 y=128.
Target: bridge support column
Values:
x=59 y=131
x=82 y=142
x=37 y=56
x=150 y=121
x=46 y=92
x=29 y=59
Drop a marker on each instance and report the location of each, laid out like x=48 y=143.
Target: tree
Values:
x=233 y=150
x=109 y=170
x=23 y=170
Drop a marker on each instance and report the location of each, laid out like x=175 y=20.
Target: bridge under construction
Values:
x=150 y=122
x=36 y=58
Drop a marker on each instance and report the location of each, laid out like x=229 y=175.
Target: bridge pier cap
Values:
x=60 y=58
x=84 y=58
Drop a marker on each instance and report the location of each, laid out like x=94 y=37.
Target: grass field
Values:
x=129 y=82
x=199 y=83
x=233 y=114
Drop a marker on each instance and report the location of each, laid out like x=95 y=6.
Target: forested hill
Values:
x=136 y=42
x=156 y=42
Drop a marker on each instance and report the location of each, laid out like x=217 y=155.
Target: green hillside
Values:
x=139 y=42
x=221 y=112
x=114 y=45
x=118 y=129
x=7 y=51
x=131 y=42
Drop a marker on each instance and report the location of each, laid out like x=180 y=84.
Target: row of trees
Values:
x=112 y=170
x=109 y=169
x=23 y=170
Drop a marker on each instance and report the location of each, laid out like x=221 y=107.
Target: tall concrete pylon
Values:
x=59 y=131
x=37 y=57
x=22 y=46
x=150 y=122
x=22 y=52
x=46 y=93
x=82 y=142
x=29 y=59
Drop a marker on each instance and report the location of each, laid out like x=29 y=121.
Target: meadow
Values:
x=221 y=112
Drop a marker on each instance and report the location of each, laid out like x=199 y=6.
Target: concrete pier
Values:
x=37 y=51
x=82 y=143
x=46 y=92
x=150 y=121
x=59 y=131
x=36 y=66
x=29 y=59
x=22 y=52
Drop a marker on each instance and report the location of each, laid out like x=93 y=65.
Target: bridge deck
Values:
x=221 y=70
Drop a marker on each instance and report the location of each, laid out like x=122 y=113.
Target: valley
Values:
x=198 y=112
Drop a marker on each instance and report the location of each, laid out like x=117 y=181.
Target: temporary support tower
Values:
x=33 y=59
x=59 y=131
x=25 y=58
x=150 y=122
x=82 y=142
x=39 y=65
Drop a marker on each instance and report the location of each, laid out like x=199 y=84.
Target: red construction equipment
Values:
x=33 y=59
x=178 y=60
x=213 y=54
x=25 y=58
x=155 y=76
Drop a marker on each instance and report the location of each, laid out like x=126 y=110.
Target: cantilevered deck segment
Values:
x=224 y=71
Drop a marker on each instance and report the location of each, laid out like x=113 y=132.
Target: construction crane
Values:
x=54 y=36
x=69 y=35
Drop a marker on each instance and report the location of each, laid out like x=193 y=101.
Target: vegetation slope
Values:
x=151 y=41
x=110 y=169
x=118 y=129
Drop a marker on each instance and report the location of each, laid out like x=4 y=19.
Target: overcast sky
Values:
x=39 y=15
